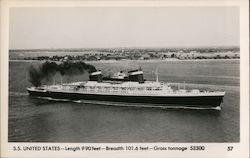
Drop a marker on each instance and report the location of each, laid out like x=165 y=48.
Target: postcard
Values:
x=124 y=78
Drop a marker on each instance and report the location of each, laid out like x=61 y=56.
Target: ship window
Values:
x=140 y=89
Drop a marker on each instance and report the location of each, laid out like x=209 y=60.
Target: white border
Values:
x=212 y=149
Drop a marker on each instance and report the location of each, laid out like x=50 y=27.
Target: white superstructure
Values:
x=148 y=88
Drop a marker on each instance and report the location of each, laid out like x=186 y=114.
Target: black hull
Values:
x=186 y=101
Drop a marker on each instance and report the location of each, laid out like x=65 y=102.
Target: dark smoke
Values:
x=70 y=68
x=49 y=69
x=35 y=76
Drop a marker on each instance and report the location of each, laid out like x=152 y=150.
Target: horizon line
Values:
x=181 y=47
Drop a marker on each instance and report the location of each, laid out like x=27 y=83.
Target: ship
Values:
x=130 y=87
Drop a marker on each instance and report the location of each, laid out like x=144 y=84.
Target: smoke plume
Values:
x=49 y=69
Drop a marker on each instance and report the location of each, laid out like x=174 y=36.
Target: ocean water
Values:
x=38 y=120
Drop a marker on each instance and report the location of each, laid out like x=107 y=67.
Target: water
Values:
x=38 y=120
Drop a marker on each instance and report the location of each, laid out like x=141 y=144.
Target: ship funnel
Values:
x=96 y=76
x=136 y=76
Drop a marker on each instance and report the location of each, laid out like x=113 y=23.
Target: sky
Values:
x=108 y=27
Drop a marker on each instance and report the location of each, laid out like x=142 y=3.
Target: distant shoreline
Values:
x=151 y=60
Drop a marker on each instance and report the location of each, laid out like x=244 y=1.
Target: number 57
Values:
x=230 y=148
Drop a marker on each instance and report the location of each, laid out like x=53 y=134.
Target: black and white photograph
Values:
x=124 y=74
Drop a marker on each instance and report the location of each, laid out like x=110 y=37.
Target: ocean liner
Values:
x=130 y=87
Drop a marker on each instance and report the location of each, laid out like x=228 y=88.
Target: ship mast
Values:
x=61 y=80
x=156 y=73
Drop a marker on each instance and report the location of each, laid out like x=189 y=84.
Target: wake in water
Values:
x=18 y=94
